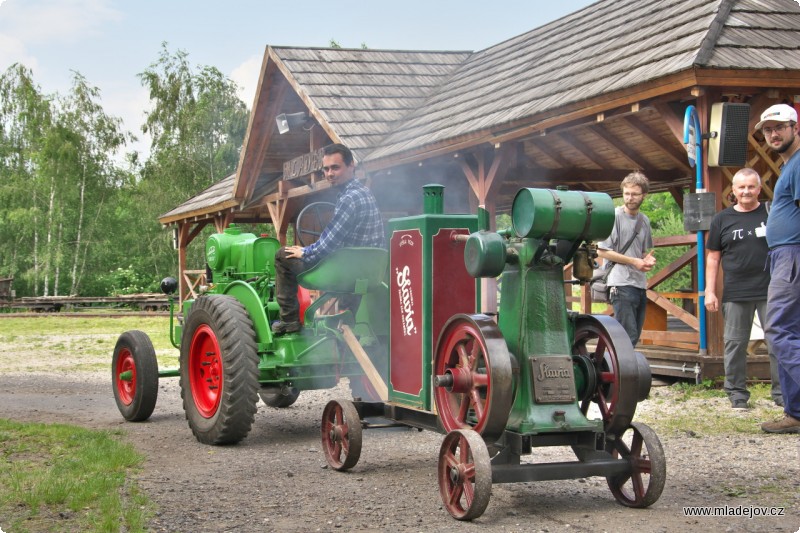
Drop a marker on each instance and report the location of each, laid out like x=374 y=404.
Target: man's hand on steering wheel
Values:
x=294 y=252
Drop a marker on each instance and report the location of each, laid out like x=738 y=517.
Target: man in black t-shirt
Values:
x=738 y=237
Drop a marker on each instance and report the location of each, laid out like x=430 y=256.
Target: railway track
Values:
x=136 y=303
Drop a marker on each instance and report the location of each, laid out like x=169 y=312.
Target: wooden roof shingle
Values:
x=388 y=105
x=345 y=86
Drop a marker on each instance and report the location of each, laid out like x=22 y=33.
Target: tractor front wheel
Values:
x=219 y=370
x=134 y=376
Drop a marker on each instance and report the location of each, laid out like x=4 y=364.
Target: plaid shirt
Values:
x=356 y=222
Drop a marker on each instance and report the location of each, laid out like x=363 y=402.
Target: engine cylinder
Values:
x=570 y=215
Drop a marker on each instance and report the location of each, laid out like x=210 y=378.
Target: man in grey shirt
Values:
x=627 y=280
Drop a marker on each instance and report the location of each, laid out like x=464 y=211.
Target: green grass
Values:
x=704 y=409
x=65 y=478
x=82 y=343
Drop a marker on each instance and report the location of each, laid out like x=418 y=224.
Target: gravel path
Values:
x=277 y=478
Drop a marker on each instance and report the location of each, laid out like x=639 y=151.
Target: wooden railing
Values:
x=660 y=305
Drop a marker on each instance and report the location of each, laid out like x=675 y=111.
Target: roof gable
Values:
x=359 y=94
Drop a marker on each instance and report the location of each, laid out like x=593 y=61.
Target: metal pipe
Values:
x=691 y=121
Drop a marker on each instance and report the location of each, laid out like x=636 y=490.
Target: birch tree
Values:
x=25 y=119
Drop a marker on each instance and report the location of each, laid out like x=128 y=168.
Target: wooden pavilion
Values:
x=579 y=102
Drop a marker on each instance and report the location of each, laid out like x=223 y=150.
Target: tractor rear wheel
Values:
x=219 y=370
x=134 y=376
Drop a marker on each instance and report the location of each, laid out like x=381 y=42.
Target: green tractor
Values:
x=228 y=353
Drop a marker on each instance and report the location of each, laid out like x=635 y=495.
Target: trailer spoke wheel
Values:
x=134 y=376
x=341 y=434
x=465 y=474
x=604 y=342
x=640 y=446
x=219 y=370
x=312 y=220
x=473 y=374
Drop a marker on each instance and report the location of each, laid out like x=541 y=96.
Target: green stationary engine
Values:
x=536 y=374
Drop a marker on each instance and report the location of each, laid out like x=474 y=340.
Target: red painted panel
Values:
x=406 y=311
x=453 y=288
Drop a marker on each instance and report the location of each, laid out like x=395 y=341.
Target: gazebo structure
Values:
x=579 y=102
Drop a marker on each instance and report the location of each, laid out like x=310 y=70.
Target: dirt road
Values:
x=277 y=478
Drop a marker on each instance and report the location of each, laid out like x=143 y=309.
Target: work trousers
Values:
x=286 y=271
x=630 y=304
x=738 y=326
x=783 y=321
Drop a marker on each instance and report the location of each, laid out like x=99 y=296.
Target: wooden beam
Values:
x=677 y=156
x=552 y=154
x=688 y=239
x=472 y=178
x=498 y=168
x=363 y=359
x=259 y=131
x=677 y=195
x=666 y=272
x=618 y=145
x=673 y=122
x=684 y=316
x=581 y=148
x=277 y=212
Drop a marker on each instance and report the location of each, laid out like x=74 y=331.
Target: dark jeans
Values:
x=783 y=322
x=629 y=305
x=286 y=272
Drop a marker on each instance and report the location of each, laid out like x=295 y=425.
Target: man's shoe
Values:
x=740 y=405
x=787 y=424
x=280 y=327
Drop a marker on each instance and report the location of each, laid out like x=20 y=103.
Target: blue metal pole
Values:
x=692 y=121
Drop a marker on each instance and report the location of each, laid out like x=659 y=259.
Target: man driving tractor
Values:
x=356 y=222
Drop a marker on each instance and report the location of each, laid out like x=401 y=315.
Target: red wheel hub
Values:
x=205 y=371
x=126 y=387
x=473 y=375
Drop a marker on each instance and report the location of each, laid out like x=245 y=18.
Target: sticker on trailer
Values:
x=406 y=312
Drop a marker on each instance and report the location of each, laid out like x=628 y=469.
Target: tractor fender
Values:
x=249 y=298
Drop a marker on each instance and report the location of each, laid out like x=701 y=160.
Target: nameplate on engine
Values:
x=553 y=379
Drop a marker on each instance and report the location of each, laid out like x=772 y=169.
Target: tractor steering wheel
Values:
x=312 y=220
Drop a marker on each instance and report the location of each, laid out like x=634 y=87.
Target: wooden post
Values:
x=366 y=364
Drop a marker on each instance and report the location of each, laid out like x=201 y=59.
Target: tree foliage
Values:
x=76 y=217
x=197 y=125
x=25 y=120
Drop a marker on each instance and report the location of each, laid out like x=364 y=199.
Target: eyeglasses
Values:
x=776 y=129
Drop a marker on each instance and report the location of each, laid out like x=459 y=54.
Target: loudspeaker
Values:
x=729 y=147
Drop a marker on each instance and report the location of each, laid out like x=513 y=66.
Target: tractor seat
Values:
x=348 y=270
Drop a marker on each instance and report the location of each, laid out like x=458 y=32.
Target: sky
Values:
x=109 y=42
